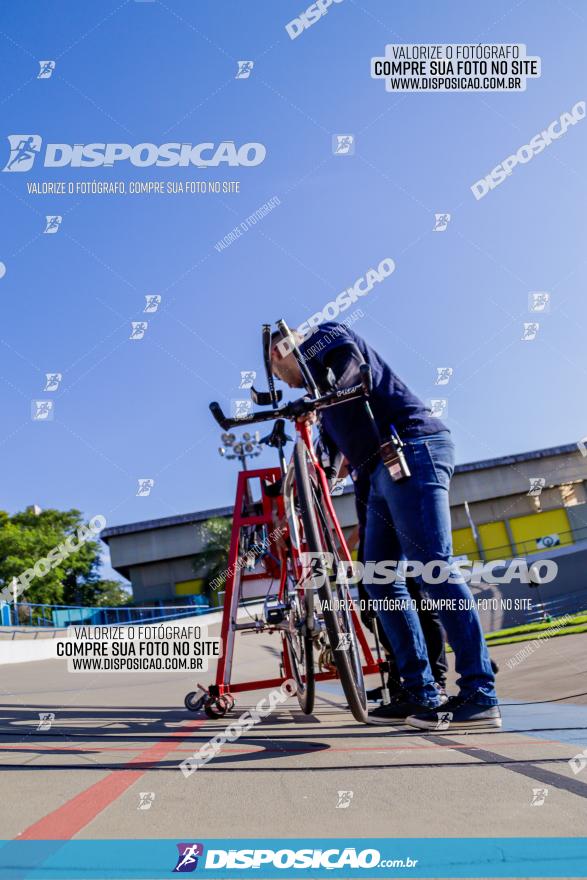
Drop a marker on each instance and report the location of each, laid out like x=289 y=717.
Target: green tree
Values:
x=110 y=593
x=213 y=559
x=29 y=536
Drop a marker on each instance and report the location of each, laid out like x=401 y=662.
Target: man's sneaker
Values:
x=441 y=692
x=399 y=709
x=456 y=712
x=376 y=695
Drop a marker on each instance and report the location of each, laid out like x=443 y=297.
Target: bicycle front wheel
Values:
x=320 y=540
x=298 y=645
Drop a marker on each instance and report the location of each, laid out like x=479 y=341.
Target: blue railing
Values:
x=57 y=616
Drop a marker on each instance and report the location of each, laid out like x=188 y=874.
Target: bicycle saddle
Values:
x=277 y=438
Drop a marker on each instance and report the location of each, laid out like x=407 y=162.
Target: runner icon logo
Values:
x=152 y=302
x=46 y=69
x=46 y=719
x=441 y=222
x=343 y=144
x=53 y=381
x=344 y=641
x=444 y=720
x=23 y=151
x=244 y=69
x=187 y=859
x=146 y=799
x=344 y=800
x=539 y=796
x=53 y=222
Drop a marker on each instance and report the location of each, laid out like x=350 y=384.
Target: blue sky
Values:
x=137 y=72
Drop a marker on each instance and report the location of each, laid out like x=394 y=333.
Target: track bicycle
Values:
x=313 y=555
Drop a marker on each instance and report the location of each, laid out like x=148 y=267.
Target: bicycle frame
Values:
x=271 y=505
x=277 y=507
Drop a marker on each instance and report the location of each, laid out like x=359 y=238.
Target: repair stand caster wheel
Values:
x=193 y=702
x=216 y=707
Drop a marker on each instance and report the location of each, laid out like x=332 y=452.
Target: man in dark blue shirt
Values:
x=415 y=509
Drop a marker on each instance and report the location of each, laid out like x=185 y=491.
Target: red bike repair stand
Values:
x=269 y=511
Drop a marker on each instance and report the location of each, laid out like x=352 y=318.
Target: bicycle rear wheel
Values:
x=320 y=539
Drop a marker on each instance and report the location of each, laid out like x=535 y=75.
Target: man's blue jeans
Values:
x=419 y=510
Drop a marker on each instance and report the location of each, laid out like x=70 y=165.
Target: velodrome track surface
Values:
x=116 y=736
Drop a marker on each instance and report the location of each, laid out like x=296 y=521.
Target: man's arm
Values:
x=344 y=362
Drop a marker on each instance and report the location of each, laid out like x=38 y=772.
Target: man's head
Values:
x=283 y=363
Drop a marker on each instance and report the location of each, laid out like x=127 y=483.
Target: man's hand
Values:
x=308 y=419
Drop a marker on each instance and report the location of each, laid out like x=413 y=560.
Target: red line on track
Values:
x=68 y=819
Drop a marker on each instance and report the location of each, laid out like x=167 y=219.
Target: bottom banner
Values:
x=294 y=857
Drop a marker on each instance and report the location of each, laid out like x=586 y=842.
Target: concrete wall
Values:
x=155 y=544
x=578 y=521
x=514 y=479
x=512 y=506
x=158 y=557
x=156 y=580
